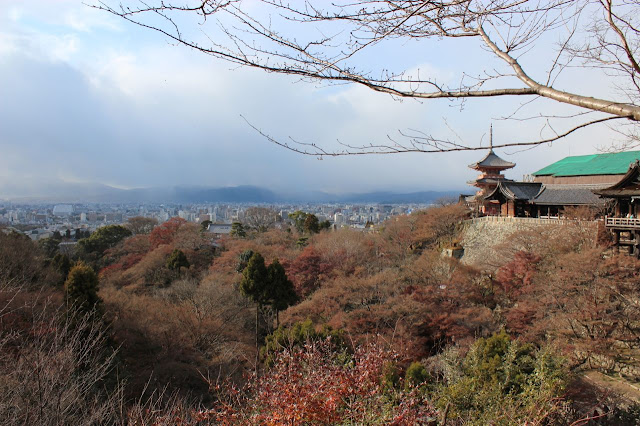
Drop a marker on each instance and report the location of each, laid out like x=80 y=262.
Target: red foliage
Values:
x=313 y=385
x=165 y=233
x=517 y=276
x=307 y=271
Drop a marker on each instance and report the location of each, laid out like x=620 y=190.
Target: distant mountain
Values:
x=97 y=193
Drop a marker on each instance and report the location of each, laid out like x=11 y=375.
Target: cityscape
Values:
x=75 y=221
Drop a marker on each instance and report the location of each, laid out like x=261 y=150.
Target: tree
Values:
x=50 y=246
x=308 y=270
x=266 y=286
x=253 y=286
x=166 y=233
x=243 y=260
x=311 y=224
x=299 y=218
x=273 y=37
x=104 y=238
x=141 y=225
x=81 y=287
x=62 y=264
x=281 y=291
x=237 y=230
x=325 y=225
x=177 y=260
x=260 y=218
x=205 y=224
x=67 y=234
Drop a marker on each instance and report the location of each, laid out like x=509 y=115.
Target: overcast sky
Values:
x=86 y=97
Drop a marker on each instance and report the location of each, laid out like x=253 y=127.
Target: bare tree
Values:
x=141 y=225
x=260 y=218
x=54 y=365
x=321 y=41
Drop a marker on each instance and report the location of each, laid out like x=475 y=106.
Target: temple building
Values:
x=595 y=169
x=569 y=183
x=490 y=168
x=624 y=197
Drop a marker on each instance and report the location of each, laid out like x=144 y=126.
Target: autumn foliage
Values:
x=417 y=329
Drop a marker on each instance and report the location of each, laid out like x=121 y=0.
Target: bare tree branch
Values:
x=266 y=36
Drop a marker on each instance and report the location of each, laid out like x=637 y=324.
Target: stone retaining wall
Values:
x=480 y=236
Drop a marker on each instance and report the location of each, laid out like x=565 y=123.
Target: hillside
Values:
x=364 y=327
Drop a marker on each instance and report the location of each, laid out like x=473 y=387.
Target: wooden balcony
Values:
x=622 y=223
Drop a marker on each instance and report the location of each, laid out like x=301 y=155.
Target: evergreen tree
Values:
x=252 y=286
x=325 y=225
x=237 y=230
x=177 y=260
x=104 y=238
x=266 y=286
x=243 y=260
x=311 y=224
x=298 y=218
x=279 y=289
x=62 y=264
x=81 y=287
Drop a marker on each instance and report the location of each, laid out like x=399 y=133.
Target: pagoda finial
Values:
x=491 y=137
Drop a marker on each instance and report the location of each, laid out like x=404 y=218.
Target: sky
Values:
x=86 y=97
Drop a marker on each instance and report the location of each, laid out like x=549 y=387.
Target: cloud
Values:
x=85 y=100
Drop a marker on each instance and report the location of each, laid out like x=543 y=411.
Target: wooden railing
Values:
x=622 y=222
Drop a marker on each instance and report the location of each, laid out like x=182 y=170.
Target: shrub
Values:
x=81 y=287
x=415 y=375
x=502 y=381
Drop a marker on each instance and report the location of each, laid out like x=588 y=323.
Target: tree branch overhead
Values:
x=268 y=36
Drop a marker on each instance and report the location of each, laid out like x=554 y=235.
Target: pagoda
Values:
x=490 y=168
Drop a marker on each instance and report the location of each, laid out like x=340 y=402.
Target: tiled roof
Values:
x=517 y=190
x=492 y=160
x=571 y=195
x=489 y=180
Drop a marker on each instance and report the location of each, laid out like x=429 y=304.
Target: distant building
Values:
x=63 y=210
x=219 y=228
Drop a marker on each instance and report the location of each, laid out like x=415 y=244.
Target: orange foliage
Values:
x=165 y=233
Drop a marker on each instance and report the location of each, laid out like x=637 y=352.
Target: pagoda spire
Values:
x=491 y=137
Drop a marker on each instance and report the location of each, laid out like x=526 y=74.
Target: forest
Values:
x=294 y=322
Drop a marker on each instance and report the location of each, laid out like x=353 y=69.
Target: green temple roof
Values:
x=596 y=164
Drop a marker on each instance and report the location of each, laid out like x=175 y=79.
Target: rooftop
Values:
x=491 y=160
x=517 y=190
x=595 y=164
x=573 y=195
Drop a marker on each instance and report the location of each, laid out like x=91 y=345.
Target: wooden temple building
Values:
x=571 y=182
x=608 y=182
x=623 y=220
x=491 y=169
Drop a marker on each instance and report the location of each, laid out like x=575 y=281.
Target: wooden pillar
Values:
x=616 y=240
